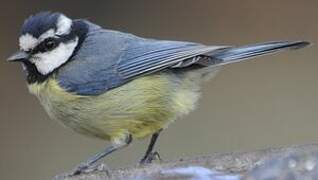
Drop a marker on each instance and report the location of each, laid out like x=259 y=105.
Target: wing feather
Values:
x=157 y=55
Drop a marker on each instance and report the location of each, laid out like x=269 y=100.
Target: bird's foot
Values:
x=84 y=168
x=150 y=158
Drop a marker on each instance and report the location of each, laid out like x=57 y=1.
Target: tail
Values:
x=236 y=54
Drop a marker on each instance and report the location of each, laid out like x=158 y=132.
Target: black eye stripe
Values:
x=42 y=46
x=58 y=39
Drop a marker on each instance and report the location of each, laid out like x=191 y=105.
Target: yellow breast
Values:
x=140 y=107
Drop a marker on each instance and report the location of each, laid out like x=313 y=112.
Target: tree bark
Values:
x=295 y=162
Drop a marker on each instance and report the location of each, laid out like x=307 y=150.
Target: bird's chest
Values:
x=59 y=104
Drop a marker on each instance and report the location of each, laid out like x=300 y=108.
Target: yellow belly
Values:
x=140 y=107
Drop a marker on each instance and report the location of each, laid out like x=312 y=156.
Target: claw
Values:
x=150 y=158
x=85 y=169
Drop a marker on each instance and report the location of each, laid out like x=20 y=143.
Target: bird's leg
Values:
x=90 y=162
x=150 y=155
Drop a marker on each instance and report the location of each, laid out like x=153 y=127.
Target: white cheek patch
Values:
x=27 y=42
x=48 y=61
x=64 y=25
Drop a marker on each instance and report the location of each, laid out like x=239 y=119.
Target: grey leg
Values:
x=91 y=161
x=150 y=155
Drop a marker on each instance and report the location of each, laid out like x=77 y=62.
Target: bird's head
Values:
x=47 y=41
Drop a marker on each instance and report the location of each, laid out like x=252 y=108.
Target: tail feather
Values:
x=236 y=54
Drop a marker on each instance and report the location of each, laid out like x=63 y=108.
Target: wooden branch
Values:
x=296 y=162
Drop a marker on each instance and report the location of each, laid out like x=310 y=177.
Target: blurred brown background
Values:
x=269 y=102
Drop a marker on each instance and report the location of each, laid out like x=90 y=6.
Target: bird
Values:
x=117 y=86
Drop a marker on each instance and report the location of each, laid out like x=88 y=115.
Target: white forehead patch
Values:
x=63 y=25
x=48 y=61
x=48 y=33
x=27 y=42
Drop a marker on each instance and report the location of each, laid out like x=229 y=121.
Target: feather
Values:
x=108 y=59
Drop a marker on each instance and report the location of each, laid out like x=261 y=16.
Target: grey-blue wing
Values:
x=150 y=56
x=109 y=59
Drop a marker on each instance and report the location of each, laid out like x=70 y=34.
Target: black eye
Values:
x=50 y=44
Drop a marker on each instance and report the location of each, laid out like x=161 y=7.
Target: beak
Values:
x=18 y=56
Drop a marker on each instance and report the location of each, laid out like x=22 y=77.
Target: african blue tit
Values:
x=117 y=86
